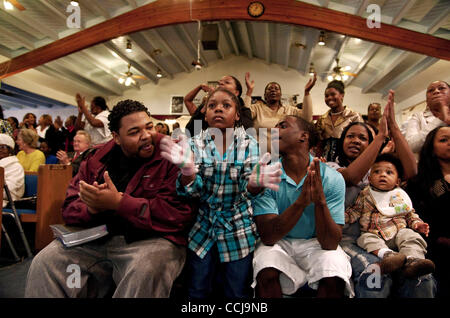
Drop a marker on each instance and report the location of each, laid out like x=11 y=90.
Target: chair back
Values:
x=31 y=184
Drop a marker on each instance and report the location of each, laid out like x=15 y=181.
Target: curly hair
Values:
x=100 y=102
x=340 y=154
x=122 y=109
x=394 y=160
x=337 y=85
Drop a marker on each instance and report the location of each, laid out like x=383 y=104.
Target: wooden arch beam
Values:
x=167 y=12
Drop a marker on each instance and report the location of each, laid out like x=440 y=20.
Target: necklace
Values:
x=338 y=113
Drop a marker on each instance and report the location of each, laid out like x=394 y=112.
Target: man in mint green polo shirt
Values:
x=300 y=225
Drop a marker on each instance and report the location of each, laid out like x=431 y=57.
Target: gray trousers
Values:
x=144 y=268
x=407 y=242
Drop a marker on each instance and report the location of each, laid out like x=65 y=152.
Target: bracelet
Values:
x=258 y=167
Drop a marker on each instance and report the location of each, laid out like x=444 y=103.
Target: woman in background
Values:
x=29 y=156
x=430 y=193
x=330 y=125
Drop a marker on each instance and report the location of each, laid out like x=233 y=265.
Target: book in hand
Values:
x=73 y=236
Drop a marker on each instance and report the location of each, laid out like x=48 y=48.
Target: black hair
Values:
x=343 y=159
x=388 y=157
x=429 y=169
x=338 y=85
x=122 y=109
x=234 y=98
x=1 y=112
x=265 y=88
x=239 y=89
x=15 y=120
x=374 y=103
x=238 y=85
x=100 y=102
x=305 y=125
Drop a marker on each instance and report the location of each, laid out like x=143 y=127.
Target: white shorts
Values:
x=303 y=261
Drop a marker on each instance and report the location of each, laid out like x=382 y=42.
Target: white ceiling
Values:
x=172 y=49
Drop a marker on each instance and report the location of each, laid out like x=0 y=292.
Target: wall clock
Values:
x=255 y=9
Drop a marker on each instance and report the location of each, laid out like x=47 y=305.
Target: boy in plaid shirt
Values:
x=388 y=221
x=220 y=167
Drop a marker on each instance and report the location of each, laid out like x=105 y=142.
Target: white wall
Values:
x=157 y=97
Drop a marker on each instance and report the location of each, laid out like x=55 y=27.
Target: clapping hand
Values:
x=81 y=102
x=312 y=190
x=250 y=84
x=179 y=153
x=264 y=175
x=100 y=197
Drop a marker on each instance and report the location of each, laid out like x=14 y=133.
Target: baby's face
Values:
x=384 y=176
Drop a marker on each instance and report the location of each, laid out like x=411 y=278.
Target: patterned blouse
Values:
x=329 y=133
x=225 y=214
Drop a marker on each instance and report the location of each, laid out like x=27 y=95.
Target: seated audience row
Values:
x=215 y=194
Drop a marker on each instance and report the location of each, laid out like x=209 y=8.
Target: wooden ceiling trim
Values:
x=161 y=13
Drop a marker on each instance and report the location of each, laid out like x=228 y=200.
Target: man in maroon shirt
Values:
x=128 y=186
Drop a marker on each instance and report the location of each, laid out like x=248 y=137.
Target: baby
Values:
x=389 y=222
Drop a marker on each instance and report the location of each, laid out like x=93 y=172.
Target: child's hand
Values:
x=423 y=228
x=179 y=153
x=266 y=176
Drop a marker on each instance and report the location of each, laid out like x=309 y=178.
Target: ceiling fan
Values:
x=129 y=77
x=15 y=3
x=339 y=73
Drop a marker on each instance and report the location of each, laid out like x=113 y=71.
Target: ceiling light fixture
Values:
x=322 y=38
x=340 y=73
x=74 y=3
x=128 y=81
x=129 y=47
x=158 y=73
x=121 y=80
x=311 y=69
x=8 y=5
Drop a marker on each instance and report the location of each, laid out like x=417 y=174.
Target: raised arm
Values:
x=355 y=171
x=402 y=148
x=83 y=110
x=307 y=108
x=189 y=98
x=328 y=232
